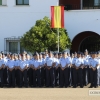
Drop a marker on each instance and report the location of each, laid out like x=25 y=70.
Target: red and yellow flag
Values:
x=57 y=16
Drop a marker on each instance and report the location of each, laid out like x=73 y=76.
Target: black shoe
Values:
x=31 y=86
x=9 y=86
x=47 y=86
x=95 y=86
x=34 y=87
x=20 y=86
x=91 y=87
x=26 y=86
x=85 y=84
x=61 y=86
x=74 y=86
x=40 y=86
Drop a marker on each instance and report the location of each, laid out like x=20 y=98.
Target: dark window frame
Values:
x=90 y=4
x=1 y=3
x=22 y=3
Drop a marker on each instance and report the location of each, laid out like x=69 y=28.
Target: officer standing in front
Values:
x=64 y=64
x=93 y=63
x=78 y=71
x=23 y=66
x=73 y=60
x=16 y=69
x=50 y=75
x=30 y=71
x=56 y=69
x=42 y=63
x=98 y=69
x=5 y=75
x=1 y=70
x=36 y=71
x=11 y=71
x=86 y=71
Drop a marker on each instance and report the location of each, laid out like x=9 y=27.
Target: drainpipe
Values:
x=81 y=4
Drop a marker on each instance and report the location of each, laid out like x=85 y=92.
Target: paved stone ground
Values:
x=48 y=94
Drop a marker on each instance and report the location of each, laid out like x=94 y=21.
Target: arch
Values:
x=76 y=42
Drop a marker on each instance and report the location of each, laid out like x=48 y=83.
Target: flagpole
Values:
x=58 y=38
x=58 y=28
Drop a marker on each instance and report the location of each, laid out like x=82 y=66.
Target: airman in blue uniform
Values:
x=1 y=70
x=11 y=71
x=78 y=71
x=93 y=63
x=50 y=75
x=98 y=69
x=23 y=66
x=36 y=71
x=64 y=64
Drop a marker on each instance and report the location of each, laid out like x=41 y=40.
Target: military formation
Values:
x=50 y=69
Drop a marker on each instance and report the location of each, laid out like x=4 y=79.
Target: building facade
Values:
x=82 y=20
x=82 y=23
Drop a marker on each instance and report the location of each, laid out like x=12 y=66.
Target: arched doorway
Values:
x=91 y=43
x=86 y=40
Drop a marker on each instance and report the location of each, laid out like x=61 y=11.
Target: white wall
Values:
x=15 y=20
x=77 y=21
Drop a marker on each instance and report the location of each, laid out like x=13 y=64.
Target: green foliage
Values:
x=41 y=37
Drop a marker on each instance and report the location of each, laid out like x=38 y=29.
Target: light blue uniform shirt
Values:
x=64 y=62
x=28 y=62
x=31 y=61
x=44 y=61
x=6 y=61
x=98 y=60
x=78 y=62
x=36 y=63
x=93 y=62
x=73 y=60
x=11 y=64
x=90 y=59
x=49 y=61
x=70 y=60
x=17 y=62
x=41 y=62
x=23 y=64
x=86 y=61
x=1 y=62
x=57 y=61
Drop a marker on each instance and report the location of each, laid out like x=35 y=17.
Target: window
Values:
x=13 y=47
x=3 y=2
x=22 y=2
x=91 y=4
x=0 y=2
x=96 y=2
x=12 y=44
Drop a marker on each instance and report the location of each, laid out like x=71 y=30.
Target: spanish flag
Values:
x=57 y=16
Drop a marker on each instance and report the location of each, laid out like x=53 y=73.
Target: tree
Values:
x=42 y=36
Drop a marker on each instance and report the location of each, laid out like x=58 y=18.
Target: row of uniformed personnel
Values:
x=49 y=70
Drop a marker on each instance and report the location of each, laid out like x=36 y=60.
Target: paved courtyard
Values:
x=47 y=94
